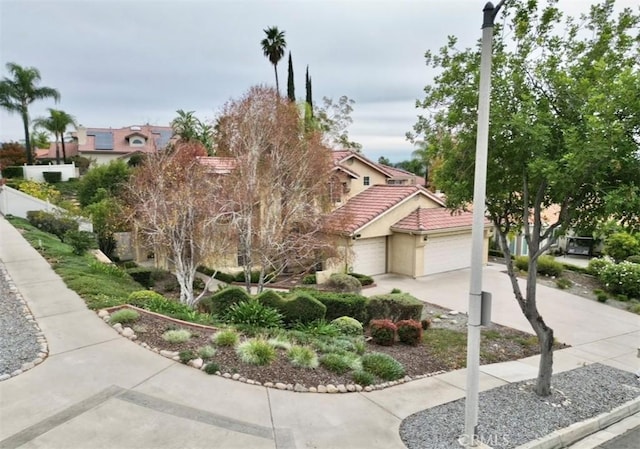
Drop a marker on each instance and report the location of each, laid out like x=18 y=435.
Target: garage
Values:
x=447 y=253
x=370 y=256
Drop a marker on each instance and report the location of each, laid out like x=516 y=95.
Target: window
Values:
x=136 y=142
x=366 y=181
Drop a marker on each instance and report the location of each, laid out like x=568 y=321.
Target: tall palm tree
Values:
x=18 y=92
x=57 y=123
x=422 y=154
x=273 y=48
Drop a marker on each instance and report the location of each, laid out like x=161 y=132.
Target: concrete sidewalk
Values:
x=97 y=389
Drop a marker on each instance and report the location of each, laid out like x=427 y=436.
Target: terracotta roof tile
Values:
x=219 y=165
x=116 y=140
x=368 y=205
x=426 y=219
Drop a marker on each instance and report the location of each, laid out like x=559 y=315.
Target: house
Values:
x=392 y=224
x=104 y=145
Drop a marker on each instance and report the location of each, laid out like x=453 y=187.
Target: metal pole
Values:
x=480 y=181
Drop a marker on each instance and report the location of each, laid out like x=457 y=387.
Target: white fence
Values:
x=17 y=203
x=34 y=172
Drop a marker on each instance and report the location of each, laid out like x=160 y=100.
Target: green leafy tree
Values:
x=190 y=129
x=19 y=91
x=57 y=123
x=333 y=120
x=39 y=139
x=308 y=110
x=621 y=245
x=102 y=182
x=564 y=130
x=385 y=161
x=291 y=90
x=273 y=48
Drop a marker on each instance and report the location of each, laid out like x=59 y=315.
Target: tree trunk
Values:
x=64 y=151
x=27 y=141
x=275 y=69
x=57 y=150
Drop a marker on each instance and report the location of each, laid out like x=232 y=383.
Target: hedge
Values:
x=363 y=278
x=12 y=172
x=142 y=275
x=52 y=223
x=394 y=306
x=343 y=283
x=302 y=308
x=342 y=304
x=52 y=176
x=220 y=302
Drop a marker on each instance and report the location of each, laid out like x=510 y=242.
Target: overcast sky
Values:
x=122 y=63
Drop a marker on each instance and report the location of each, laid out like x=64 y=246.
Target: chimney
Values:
x=82 y=135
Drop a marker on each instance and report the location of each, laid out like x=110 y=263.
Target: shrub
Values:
x=409 y=332
x=363 y=378
x=224 y=277
x=280 y=342
x=383 y=332
x=337 y=363
x=80 y=241
x=309 y=279
x=142 y=297
x=225 y=337
x=206 y=352
x=211 y=368
x=102 y=181
x=342 y=304
x=622 y=278
x=255 y=277
x=253 y=313
x=343 y=283
x=382 y=365
x=396 y=290
x=548 y=266
x=348 y=326
x=12 y=172
x=621 y=245
x=186 y=356
x=563 y=283
x=363 y=278
x=634 y=259
x=303 y=356
x=176 y=336
x=52 y=176
x=303 y=308
x=602 y=297
x=394 y=306
x=634 y=308
x=270 y=298
x=317 y=328
x=124 y=316
x=256 y=352
x=220 y=302
x=426 y=324
x=40 y=190
x=52 y=223
x=522 y=263
x=142 y=275
x=597 y=265
x=109 y=269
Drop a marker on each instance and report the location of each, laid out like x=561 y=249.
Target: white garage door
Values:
x=447 y=253
x=370 y=256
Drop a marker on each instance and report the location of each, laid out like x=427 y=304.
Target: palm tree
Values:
x=422 y=154
x=57 y=123
x=273 y=48
x=18 y=92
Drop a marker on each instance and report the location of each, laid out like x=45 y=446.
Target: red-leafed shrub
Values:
x=383 y=332
x=409 y=332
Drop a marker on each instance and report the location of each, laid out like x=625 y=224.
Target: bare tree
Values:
x=279 y=190
x=175 y=205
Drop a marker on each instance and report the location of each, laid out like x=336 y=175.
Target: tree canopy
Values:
x=273 y=46
x=57 y=123
x=564 y=129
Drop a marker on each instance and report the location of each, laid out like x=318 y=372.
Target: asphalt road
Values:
x=628 y=440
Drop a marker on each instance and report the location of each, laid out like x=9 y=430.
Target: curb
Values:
x=575 y=432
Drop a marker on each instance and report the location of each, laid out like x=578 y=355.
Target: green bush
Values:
x=256 y=352
x=363 y=378
x=253 y=313
x=52 y=176
x=142 y=297
x=522 y=263
x=176 y=336
x=211 y=368
x=634 y=259
x=224 y=277
x=394 y=306
x=621 y=245
x=363 y=278
x=13 y=172
x=409 y=332
x=317 y=328
x=103 y=181
x=270 y=298
x=383 y=332
x=622 y=278
x=597 y=265
x=187 y=356
x=220 y=302
x=109 y=269
x=337 y=363
x=602 y=296
x=255 y=277
x=343 y=283
x=548 y=266
x=206 y=352
x=226 y=337
x=309 y=279
x=52 y=223
x=348 y=326
x=563 y=283
x=124 y=316
x=303 y=308
x=80 y=241
x=342 y=304
x=303 y=357
x=382 y=365
x=143 y=276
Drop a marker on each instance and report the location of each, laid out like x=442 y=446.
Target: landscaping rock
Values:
x=313 y=390
x=118 y=327
x=128 y=332
x=351 y=388
x=103 y=313
x=332 y=388
x=281 y=386
x=196 y=363
x=236 y=376
x=300 y=388
x=322 y=389
x=342 y=388
x=168 y=354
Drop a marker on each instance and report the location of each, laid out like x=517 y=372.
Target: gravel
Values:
x=512 y=415
x=18 y=337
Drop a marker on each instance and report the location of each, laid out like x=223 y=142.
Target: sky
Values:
x=122 y=63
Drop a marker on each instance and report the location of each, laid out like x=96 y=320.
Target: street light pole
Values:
x=470 y=437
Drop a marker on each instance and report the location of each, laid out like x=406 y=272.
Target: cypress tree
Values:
x=291 y=91
x=309 y=97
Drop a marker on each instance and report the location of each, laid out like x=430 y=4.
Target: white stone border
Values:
x=198 y=363
x=40 y=337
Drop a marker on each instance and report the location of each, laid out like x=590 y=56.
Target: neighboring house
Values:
x=392 y=224
x=104 y=145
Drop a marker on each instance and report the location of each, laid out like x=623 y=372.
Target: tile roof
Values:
x=370 y=204
x=116 y=140
x=71 y=148
x=219 y=165
x=432 y=219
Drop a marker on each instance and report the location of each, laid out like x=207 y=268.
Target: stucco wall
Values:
x=357 y=185
x=34 y=172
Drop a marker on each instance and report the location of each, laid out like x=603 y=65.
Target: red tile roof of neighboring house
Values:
x=219 y=165
x=116 y=140
x=432 y=219
x=373 y=202
x=71 y=148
